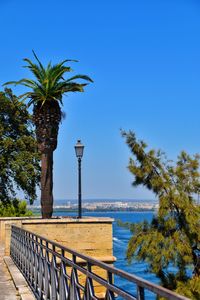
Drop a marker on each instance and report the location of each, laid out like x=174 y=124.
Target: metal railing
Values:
x=55 y=272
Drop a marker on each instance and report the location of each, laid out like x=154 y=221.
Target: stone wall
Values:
x=90 y=236
x=5 y=229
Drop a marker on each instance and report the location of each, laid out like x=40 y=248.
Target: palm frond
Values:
x=26 y=81
x=74 y=87
x=66 y=60
x=85 y=77
x=58 y=74
x=35 y=69
x=10 y=82
x=40 y=64
x=27 y=95
x=49 y=66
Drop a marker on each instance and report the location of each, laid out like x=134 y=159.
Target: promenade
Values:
x=7 y=288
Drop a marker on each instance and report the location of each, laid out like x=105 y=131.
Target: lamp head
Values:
x=79 y=149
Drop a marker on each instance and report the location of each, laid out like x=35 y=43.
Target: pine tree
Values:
x=171 y=242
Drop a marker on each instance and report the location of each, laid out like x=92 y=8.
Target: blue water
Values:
x=121 y=237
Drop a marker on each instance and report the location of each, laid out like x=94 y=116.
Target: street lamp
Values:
x=79 y=154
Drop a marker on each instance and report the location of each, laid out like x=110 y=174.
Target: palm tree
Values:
x=46 y=95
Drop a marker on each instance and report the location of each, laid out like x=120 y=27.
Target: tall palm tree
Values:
x=47 y=90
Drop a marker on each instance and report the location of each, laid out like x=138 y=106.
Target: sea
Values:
x=121 y=237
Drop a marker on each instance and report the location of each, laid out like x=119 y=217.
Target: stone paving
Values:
x=7 y=288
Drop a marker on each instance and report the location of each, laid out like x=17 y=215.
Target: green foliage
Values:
x=126 y=225
x=15 y=208
x=50 y=84
x=19 y=163
x=171 y=242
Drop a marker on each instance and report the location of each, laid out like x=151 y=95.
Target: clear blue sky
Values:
x=144 y=57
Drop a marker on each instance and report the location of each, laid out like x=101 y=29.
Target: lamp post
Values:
x=79 y=154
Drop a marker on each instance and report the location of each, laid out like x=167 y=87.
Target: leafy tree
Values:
x=19 y=163
x=15 y=208
x=171 y=242
x=46 y=95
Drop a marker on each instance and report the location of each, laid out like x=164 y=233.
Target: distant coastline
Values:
x=101 y=205
x=73 y=210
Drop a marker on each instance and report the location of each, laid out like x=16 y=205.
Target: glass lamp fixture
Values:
x=79 y=149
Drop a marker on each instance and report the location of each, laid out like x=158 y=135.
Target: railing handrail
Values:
x=140 y=282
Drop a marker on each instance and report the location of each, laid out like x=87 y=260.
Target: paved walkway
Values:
x=7 y=288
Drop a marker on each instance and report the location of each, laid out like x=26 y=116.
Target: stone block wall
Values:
x=90 y=236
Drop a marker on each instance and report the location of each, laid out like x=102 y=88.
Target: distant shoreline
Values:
x=34 y=209
x=101 y=206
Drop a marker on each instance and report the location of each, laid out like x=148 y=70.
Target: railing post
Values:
x=109 y=294
x=74 y=292
x=46 y=272
x=54 y=275
x=140 y=293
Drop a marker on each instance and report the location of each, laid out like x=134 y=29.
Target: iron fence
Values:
x=55 y=272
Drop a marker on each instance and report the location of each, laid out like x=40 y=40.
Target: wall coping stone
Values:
x=68 y=220
x=60 y=219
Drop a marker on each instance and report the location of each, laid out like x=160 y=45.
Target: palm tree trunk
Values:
x=47 y=184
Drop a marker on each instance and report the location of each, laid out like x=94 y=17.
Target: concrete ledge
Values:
x=20 y=283
x=68 y=220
